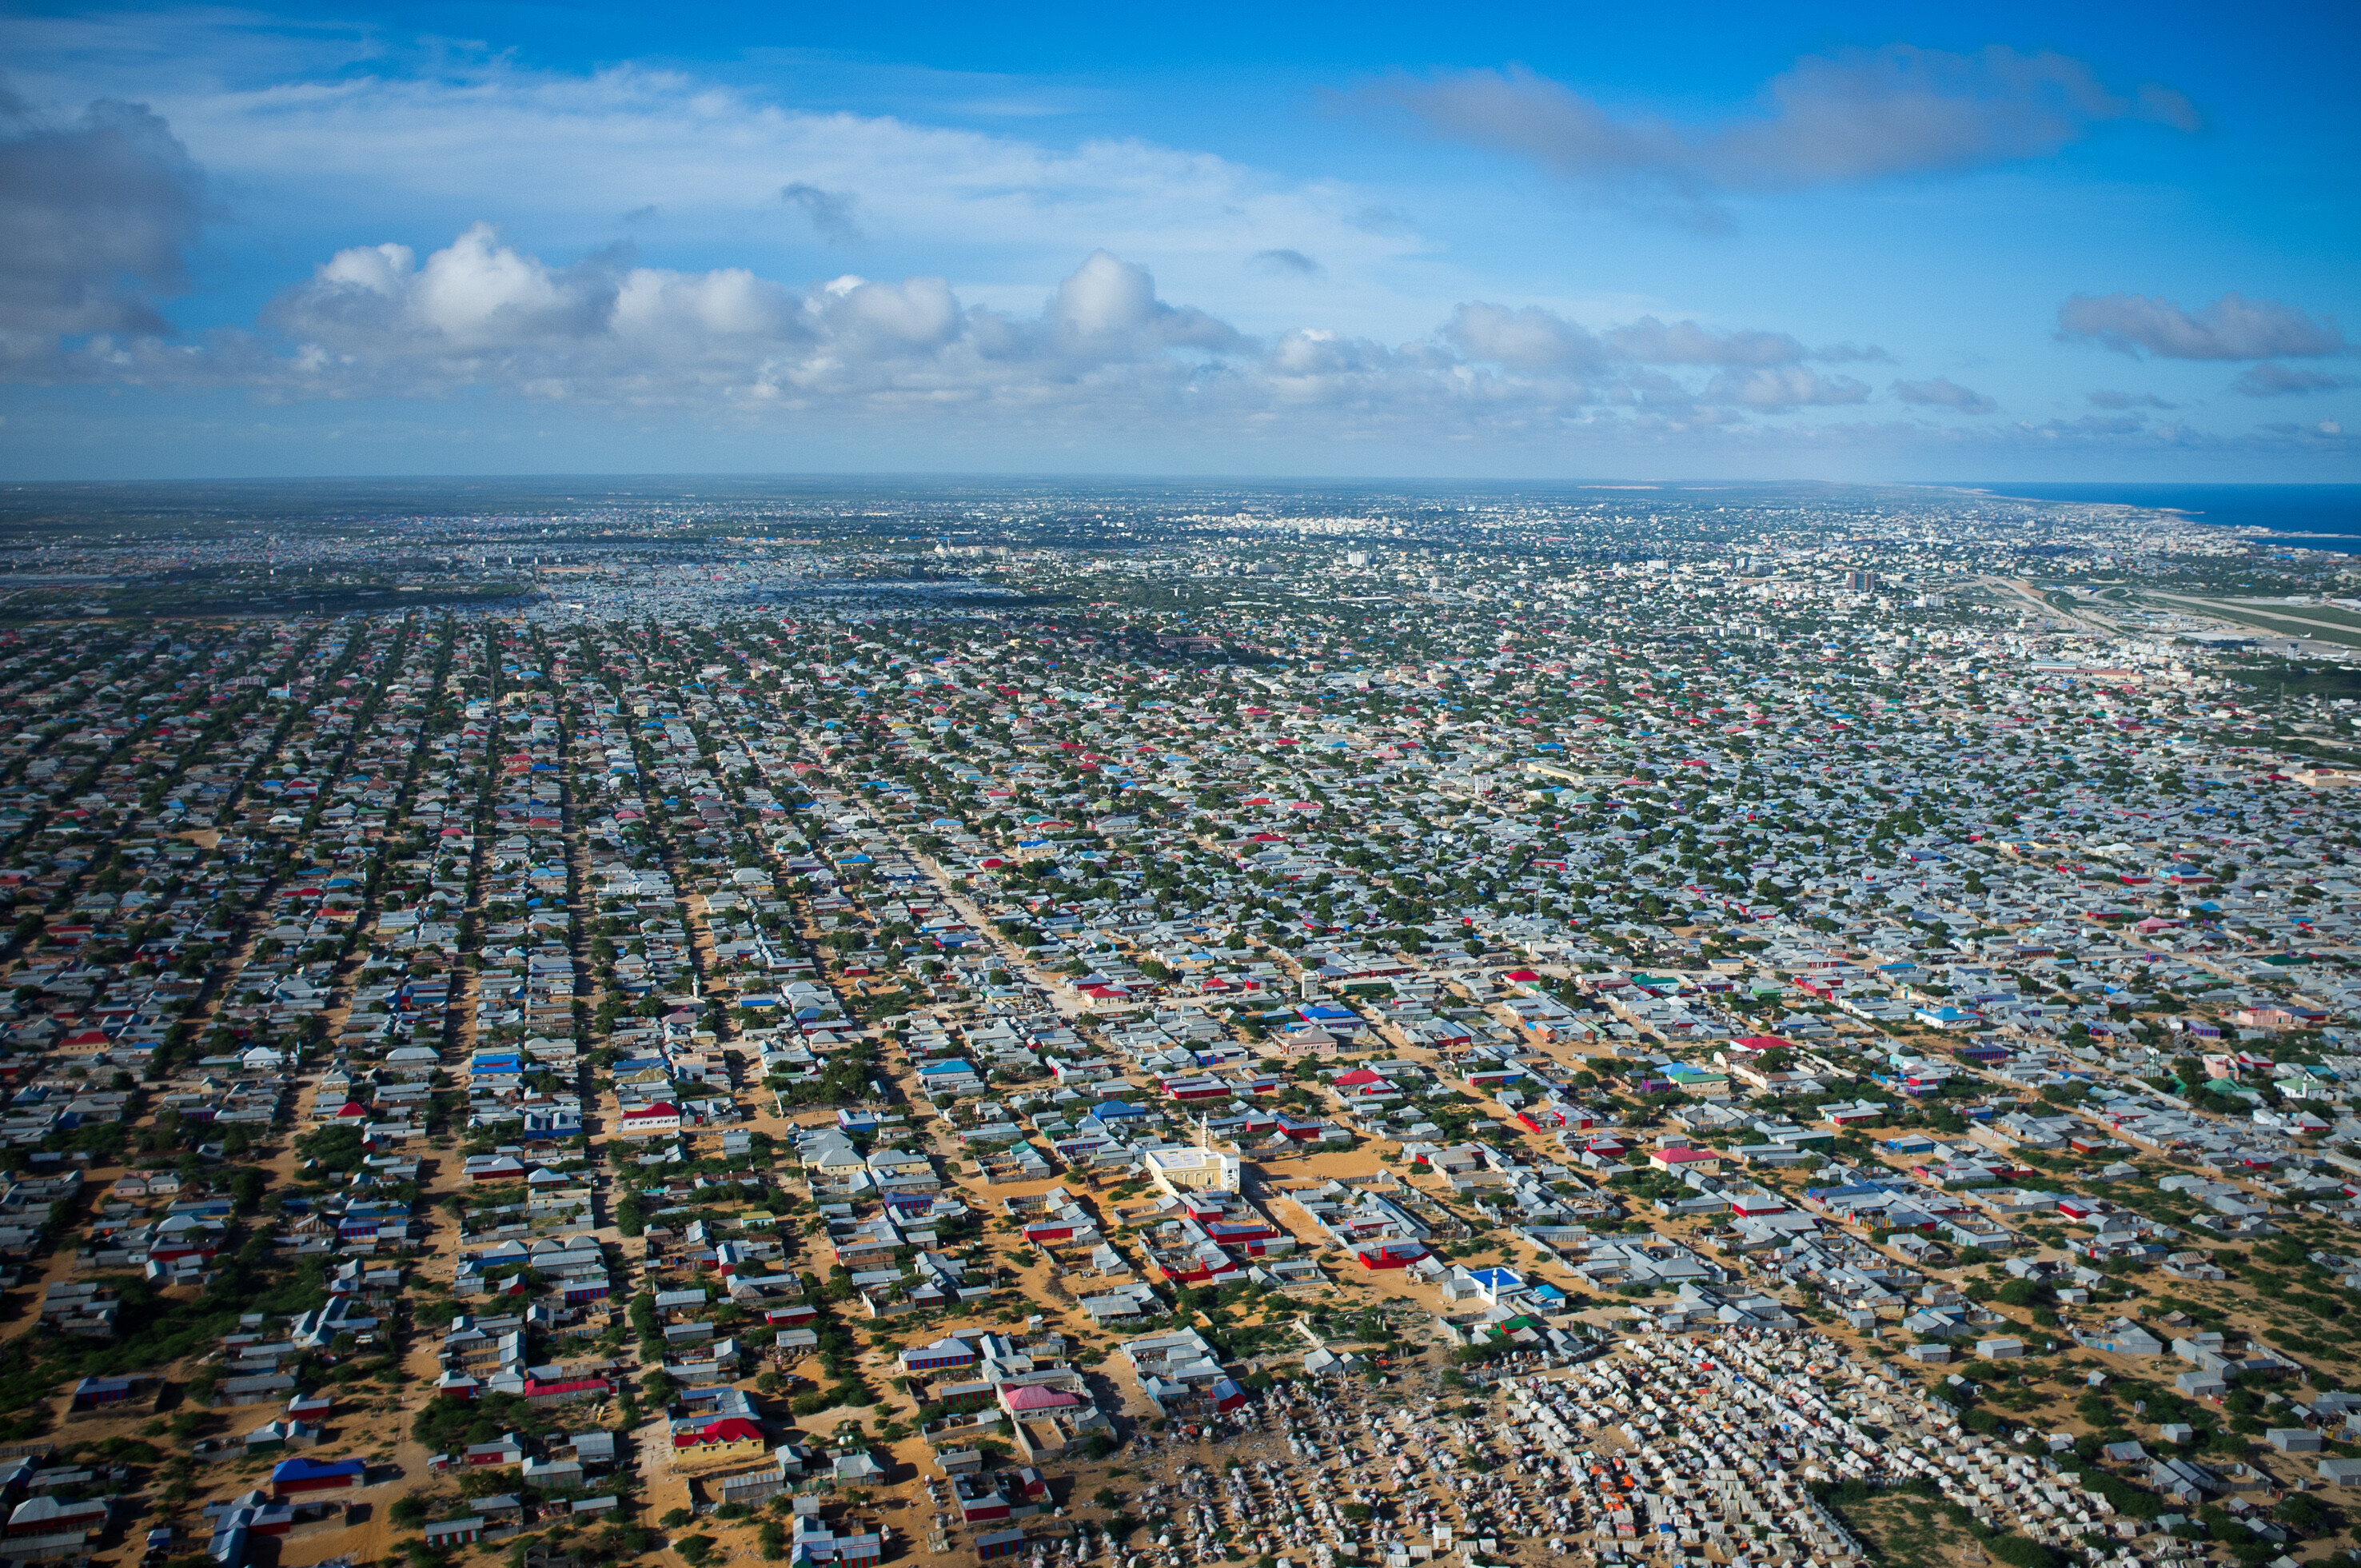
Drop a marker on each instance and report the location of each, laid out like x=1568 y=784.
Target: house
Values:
x=2121 y=1337
x=657 y=1119
x=504 y=1450
x=549 y=1475
x=48 y=1515
x=732 y=1440
x=857 y=1469
x=948 y=1079
x=565 y=1390
x=274 y=1436
x=100 y=1393
x=2181 y=1481
x=484 y=1170
x=299 y=1476
x=455 y=1532
x=815 y=1543
x=979 y=1498
x=255 y=1389
x=943 y=1356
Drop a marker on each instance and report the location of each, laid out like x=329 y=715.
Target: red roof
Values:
x=661 y=1108
x=569 y=1386
x=729 y=1429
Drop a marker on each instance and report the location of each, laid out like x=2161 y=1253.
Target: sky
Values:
x=1843 y=242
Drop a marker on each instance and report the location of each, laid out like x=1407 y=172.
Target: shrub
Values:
x=2019 y=1552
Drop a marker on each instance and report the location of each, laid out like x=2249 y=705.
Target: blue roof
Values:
x=301 y=1469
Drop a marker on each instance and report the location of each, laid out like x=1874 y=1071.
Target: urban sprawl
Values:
x=1628 y=1025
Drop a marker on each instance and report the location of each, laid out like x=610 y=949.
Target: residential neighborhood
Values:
x=1629 y=1032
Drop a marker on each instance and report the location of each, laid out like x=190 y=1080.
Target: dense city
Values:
x=1648 y=1024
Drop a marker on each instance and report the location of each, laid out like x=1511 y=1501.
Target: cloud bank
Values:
x=95 y=217
x=481 y=314
x=1842 y=119
x=1940 y=392
x=2232 y=327
x=2273 y=380
x=102 y=208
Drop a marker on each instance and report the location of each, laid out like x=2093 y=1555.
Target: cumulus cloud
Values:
x=1529 y=338
x=828 y=212
x=2270 y=380
x=483 y=314
x=1940 y=392
x=96 y=214
x=375 y=319
x=2232 y=327
x=1289 y=264
x=1102 y=351
x=1840 y=119
x=2106 y=399
x=1109 y=301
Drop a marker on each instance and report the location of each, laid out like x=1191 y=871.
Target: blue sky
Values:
x=2095 y=242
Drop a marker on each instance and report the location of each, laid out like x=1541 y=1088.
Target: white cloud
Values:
x=701 y=168
x=1529 y=338
x=1103 y=350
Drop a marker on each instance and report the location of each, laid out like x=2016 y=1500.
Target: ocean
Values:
x=2332 y=511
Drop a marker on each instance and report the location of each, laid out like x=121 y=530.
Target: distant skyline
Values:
x=1865 y=243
